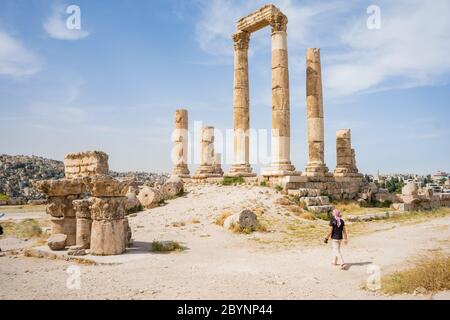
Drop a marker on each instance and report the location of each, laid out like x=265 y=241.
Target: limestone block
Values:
x=57 y=225
x=343 y=144
x=321 y=209
x=60 y=188
x=108 y=237
x=107 y=208
x=61 y=206
x=279 y=59
x=86 y=164
x=181 y=119
x=314 y=107
x=280 y=99
x=57 y=242
x=315 y=129
x=280 y=78
x=82 y=209
x=106 y=186
x=67 y=226
x=76 y=251
x=316 y=152
x=410 y=189
x=241 y=117
x=132 y=201
x=149 y=197
x=241 y=80
x=70 y=229
x=83 y=233
x=173 y=187
x=344 y=134
x=281 y=123
x=345 y=160
x=344 y=152
x=245 y=219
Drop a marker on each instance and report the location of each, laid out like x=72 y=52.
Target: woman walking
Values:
x=338 y=233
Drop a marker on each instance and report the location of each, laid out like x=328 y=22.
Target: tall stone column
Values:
x=206 y=168
x=241 y=113
x=180 y=139
x=314 y=108
x=281 y=122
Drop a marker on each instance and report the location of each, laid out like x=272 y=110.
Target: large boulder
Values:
x=132 y=203
x=172 y=188
x=57 y=242
x=410 y=189
x=246 y=220
x=149 y=197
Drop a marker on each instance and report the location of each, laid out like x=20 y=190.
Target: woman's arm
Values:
x=329 y=234
x=344 y=231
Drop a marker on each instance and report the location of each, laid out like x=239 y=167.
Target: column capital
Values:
x=278 y=21
x=241 y=40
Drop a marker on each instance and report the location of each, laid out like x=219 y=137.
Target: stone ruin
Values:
x=345 y=182
x=87 y=207
x=412 y=199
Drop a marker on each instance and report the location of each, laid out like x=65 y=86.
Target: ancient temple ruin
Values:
x=281 y=134
x=87 y=207
x=344 y=182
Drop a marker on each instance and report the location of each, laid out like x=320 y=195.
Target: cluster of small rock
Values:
x=142 y=178
x=18 y=172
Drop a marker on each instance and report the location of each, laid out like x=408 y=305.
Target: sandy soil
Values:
x=220 y=265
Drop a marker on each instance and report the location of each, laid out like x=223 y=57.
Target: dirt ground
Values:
x=218 y=264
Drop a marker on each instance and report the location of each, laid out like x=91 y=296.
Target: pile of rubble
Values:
x=17 y=174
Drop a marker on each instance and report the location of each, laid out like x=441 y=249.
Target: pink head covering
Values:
x=337 y=217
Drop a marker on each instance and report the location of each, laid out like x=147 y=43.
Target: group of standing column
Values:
x=281 y=165
x=210 y=162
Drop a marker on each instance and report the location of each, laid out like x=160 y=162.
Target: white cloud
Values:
x=15 y=59
x=57 y=28
x=410 y=50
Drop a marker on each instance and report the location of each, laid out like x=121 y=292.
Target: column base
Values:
x=282 y=169
x=345 y=173
x=240 y=170
x=181 y=171
x=317 y=170
x=204 y=172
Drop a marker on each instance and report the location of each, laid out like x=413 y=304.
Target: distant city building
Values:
x=438 y=176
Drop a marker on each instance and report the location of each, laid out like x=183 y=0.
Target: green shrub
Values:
x=3 y=197
x=229 y=181
x=278 y=188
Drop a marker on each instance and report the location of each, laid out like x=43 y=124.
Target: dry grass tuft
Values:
x=347 y=206
x=24 y=229
x=307 y=215
x=166 y=246
x=431 y=271
x=284 y=201
x=221 y=219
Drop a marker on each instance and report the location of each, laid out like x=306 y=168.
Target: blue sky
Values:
x=114 y=84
